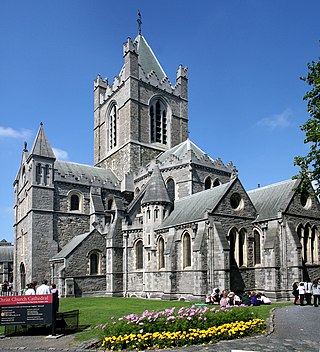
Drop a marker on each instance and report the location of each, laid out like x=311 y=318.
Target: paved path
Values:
x=295 y=329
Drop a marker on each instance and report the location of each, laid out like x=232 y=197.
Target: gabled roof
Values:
x=187 y=152
x=147 y=59
x=195 y=206
x=71 y=246
x=41 y=146
x=81 y=171
x=156 y=191
x=272 y=199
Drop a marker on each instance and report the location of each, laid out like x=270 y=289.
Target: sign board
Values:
x=26 y=310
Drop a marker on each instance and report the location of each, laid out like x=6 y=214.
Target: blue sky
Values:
x=245 y=58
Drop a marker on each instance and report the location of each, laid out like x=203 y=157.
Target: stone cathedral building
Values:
x=155 y=217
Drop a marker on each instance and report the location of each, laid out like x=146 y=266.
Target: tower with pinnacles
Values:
x=155 y=217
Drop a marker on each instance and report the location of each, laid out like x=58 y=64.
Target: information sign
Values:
x=26 y=310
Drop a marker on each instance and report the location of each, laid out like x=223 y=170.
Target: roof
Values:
x=195 y=206
x=187 y=151
x=272 y=199
x=147 y=59
x=81 y=171
x=156 y=191
x=41 y=146
x=6 y=251
x=69 y=247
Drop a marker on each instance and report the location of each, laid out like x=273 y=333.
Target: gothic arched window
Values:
x=95 y=263
x=207 y=183
x=161 y=253
x=139 y=254
x=238 y=247
x=22 y=276
x=216 y=182
x=158 y=122
x=113 y=116
x=38 y=173
x=171 y=189
x=256 y=247
x=186 y=250
x=74 y=202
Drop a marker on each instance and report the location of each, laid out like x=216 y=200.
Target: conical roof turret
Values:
x=41 y=146
x=156 y=191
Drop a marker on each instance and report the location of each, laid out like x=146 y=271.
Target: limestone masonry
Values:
x=156 y=217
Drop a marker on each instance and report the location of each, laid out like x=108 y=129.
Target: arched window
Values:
x=156 y=213
x=160 y=253
x=216 y=182
x=110 y=203
x=186 y=250
x=242 y=248
x=139 y=255
x=207 y=183
x=232 y=244
x=238 y=247
x=95 y=263
x=171 y=189
x=22 y=276
x=314 y=245
x=74 y=202
x=38 y=173
x=46 y=174
x=113 y=116
x=158 y=121
x=256 y=247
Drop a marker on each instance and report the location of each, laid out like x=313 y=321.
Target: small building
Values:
x=6 y=261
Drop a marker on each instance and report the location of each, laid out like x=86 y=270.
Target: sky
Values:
x=245 y=60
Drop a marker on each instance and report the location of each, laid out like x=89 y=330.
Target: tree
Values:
x=310 y=164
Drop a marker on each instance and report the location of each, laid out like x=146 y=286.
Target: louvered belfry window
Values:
x=158 y=122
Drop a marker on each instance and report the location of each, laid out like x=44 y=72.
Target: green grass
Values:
x=99 y=310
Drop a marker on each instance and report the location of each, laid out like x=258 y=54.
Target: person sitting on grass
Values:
x=254 y=299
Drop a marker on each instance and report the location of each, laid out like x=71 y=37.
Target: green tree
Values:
x=310 y=163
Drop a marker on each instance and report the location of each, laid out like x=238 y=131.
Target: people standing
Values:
x=316 y=292
x=43 y=289
x=30 y=290
x=302 y=292
x=308 y=291
x=295 y=292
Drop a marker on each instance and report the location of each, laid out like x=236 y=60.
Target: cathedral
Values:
x=155 y=217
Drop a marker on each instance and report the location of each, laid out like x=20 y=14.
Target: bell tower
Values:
x=140 y=114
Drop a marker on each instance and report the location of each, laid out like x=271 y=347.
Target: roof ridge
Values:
x=272 y=185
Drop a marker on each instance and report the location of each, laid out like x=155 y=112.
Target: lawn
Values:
x=99 y=310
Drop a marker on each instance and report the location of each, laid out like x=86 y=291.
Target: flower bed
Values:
x=186 y=326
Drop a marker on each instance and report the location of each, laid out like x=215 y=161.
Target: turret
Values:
x=130 y=54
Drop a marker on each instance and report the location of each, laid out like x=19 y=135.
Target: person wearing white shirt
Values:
x=308 y=291
x=302 y=292
x=43 y=289
x=316 y=292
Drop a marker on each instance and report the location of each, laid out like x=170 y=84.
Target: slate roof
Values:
x=195 y=206
x=6 y=251
x=41 y=146
x=272 y=199
x=147 y=59
x=156 y=191
x=69 y=247
x=187 y=151
x=66 y=168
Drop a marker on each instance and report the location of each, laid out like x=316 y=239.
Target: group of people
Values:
x=229 y=298
x=304 y=291
x=6 y=287
x=43 y=289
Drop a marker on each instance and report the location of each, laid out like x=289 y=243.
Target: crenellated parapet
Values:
x=130 y=46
